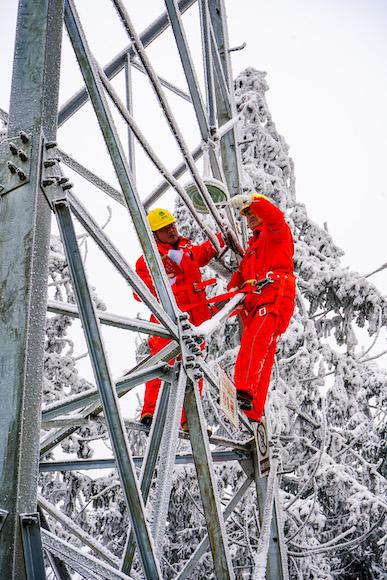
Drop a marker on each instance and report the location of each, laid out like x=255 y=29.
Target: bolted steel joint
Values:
x=49 y=181
x=50 y=144
x=51 y=162
x=24 y=137
x=23 y=155
x=13 y=148
x=12 y=167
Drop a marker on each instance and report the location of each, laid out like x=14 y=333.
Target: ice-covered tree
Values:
x=327 y=401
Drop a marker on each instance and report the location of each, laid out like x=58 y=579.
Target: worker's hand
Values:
x=243 y=199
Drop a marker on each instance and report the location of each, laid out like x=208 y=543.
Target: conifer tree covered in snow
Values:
x=327 y=402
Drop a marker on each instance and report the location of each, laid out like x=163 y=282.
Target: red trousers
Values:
x=256 y=354
x=156 y=343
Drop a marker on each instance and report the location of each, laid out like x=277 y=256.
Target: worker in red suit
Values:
x=182 y=261
x=266 y=274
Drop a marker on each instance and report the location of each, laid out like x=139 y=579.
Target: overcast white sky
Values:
x=325 y=64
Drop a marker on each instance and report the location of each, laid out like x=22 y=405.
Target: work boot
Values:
x=244 y=400
x=146 y=420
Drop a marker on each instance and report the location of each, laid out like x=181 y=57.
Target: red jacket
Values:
x=270 y=249
x=183 y=269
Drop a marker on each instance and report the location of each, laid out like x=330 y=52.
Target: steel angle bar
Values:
x=164 y=185
x=81 y=400
x=90 y=176
x=105 y=244
x=25 y=221
x=129 y=106
x=57 y=566
x=184 y=459
x=203 y=546
x=32 y=546
x=231 y=159
x=117 y=155
x=148 y=468
x=223 y=86
x=139 y=48
x=164 y=83
x=267 y=549
x=167 y=462
x=188 y=67
x=208 y=67
x=209 y=326
x=207 y=483
x=135 y=324
x=53 y=439
x=182 y=167
x=155 y=159
x=117 y=64
x=107 y=392
x=78 y=532
x=85 y=564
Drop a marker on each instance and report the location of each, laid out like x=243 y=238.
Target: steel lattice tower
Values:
x=32 y=186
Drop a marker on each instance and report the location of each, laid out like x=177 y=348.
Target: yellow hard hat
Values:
x=159 y=218
x=252 y=197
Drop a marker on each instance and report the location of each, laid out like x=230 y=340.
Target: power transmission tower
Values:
x=32 y=186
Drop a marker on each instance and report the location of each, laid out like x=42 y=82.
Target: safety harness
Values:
x=251 y=286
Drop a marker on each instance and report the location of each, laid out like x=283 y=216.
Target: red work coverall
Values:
x=183 y=269
x=265 y=315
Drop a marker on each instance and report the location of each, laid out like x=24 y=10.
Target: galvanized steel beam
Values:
x=134 y=324
x=90 y=396
x=207 y=484
x=203 y=546
x=117 y=155
x=184 y=459
x=118 y=63
x=24 y=247
x=116 y=258
x=148 y=467
x=107 y=392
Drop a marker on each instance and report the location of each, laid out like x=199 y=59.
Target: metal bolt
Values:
x=68 y=185
x=185 y=326
x=50 y=162
x=190 y=357
x=21 y=174
x=24 y=137
x=13 y=148
x=23 y=156
x=63 y=180
x=49 y=181
x=50 y=144
x=12 y=167
x=197 y=376
x=189 y=366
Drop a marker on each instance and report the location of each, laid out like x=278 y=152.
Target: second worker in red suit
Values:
x=267 y=308
x=182 y=261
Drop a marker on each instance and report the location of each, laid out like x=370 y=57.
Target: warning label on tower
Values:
x=262 y=442
x=227 y=395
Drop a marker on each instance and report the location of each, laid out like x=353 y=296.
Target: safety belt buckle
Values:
x=262 y=311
